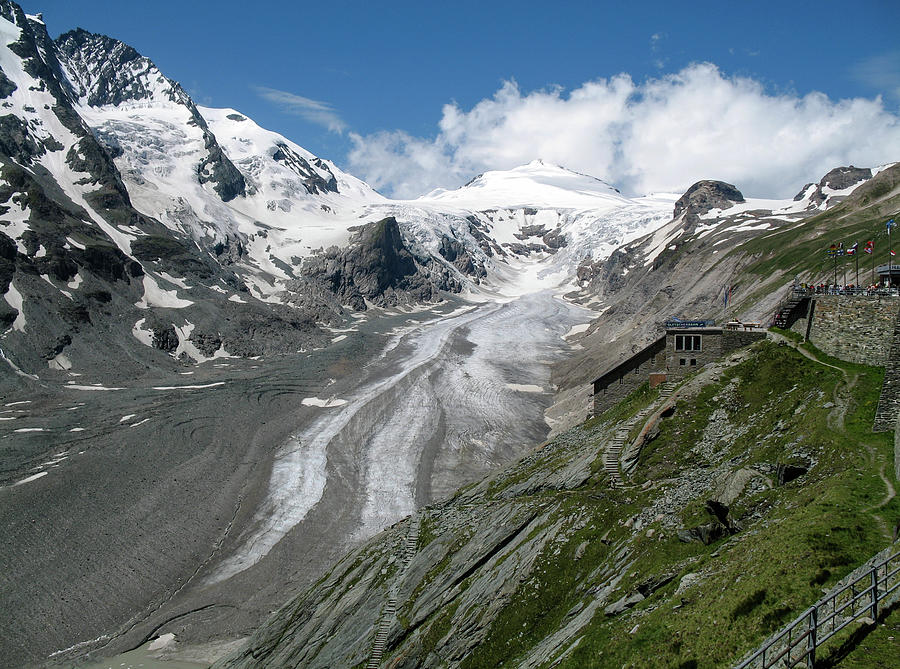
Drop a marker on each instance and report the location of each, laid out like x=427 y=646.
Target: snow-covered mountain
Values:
x=212 y=174
x=528 y=227
x=133 y=214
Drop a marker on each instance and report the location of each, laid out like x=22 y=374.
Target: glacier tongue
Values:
x=451 y=397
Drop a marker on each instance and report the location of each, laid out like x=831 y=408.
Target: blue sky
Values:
x=366 y=83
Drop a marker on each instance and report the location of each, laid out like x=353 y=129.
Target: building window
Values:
x=693 y=362
x=682 y=361
x=687 y=342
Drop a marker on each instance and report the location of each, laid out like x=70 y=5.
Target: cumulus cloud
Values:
x=315 y=111
x=661 y=135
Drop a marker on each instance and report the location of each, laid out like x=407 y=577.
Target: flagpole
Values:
x=856 y=256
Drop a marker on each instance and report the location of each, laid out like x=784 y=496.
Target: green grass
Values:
x=639 y=398
x=797 y=538
x=875 y=647
x=790 y=334
x=815 y=531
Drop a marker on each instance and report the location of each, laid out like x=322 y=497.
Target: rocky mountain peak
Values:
x=843 y=177
x=704 y=196
x=838 y=179
x=104 y=71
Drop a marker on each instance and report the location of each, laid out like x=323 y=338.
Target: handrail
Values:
x=818 y=624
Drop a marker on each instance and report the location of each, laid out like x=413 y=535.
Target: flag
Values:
x=852 y=250
x=855 y=246
x=890 y=224
x=868 y=249
x=892 y=252
x=832 y=250
x=726 y=294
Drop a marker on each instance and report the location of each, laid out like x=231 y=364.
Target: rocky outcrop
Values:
x=837 y=179
x=314 y=182
x=377 y=267
x=703 y=197
x=455 y=252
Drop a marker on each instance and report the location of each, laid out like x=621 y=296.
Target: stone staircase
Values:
x=611 y=458
x=889 y=400
x=389 y=613
x=616 y=444
x=667 y=388
x=790 y=309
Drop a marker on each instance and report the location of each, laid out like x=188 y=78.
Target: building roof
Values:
x=659 y=344
x=888 y=268
x=690 y=330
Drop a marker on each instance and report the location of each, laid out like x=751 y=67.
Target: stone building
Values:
x=689 y=348
x=681 y=350
x=629 y=374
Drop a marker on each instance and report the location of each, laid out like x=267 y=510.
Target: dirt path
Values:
x=841 y=394
x=836 y=420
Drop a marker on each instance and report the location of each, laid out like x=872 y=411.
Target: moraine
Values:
x=237 y=493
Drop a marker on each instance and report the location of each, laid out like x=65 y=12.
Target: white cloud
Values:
x=314 y=111
x=661 y=135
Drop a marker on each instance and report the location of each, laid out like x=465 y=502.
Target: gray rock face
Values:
x=454 y=252
x=378 y=267
x=837 y=179
x=107 y=71
x=843 y=177
x=313 y=181
x=704 y=196
x=6 y=86
x=16 y=141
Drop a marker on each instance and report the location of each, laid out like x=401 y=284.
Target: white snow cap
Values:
x=537 y=184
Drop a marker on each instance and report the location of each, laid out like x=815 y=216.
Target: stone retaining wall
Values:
x=889 y=401
x=853 y=328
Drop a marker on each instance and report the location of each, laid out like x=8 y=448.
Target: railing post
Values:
x=811 y=639
x=874 y=594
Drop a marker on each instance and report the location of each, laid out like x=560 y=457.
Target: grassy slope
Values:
x=800 y=250
x=804 y=537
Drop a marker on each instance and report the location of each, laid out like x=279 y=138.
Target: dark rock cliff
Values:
x=837 y=179
x=703 y=197
x=377 y=267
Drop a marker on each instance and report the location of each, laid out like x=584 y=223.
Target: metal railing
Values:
x=862 y=596
x=830 y=289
